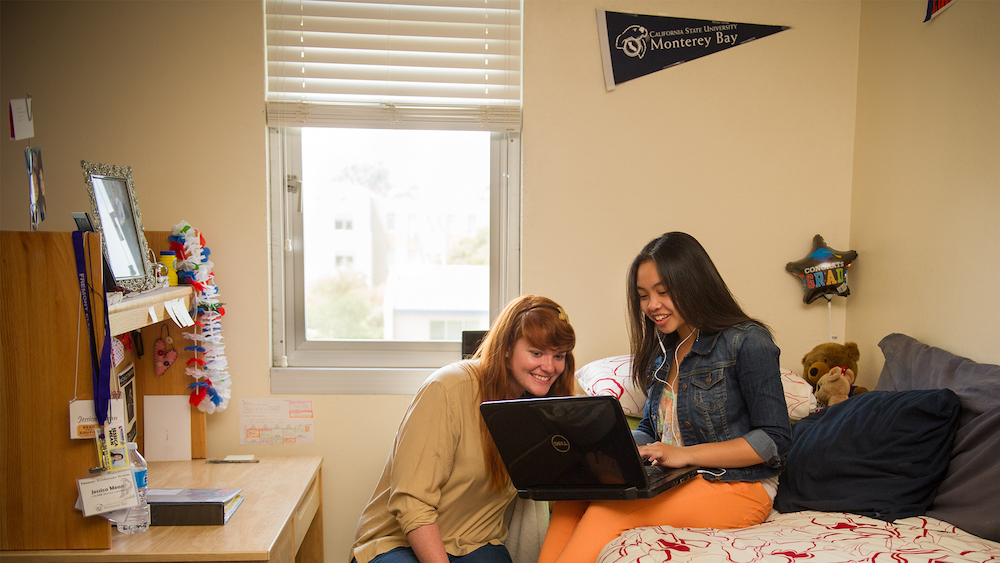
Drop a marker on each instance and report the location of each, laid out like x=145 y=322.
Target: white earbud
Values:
x=659 y=340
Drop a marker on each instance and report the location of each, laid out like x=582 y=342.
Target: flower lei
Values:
x=210 y=391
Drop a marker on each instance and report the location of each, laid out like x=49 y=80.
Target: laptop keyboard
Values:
x=656 y=475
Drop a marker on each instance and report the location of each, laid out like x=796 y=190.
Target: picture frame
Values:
x=116 y=215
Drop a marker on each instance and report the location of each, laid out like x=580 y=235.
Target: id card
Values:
x=112 y=443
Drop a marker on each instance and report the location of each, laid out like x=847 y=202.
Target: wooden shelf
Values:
x=132 y=313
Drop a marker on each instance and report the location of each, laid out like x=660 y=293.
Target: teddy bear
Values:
x=831 y=369
x=836 y=386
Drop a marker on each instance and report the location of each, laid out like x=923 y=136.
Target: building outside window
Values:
x=375 y=174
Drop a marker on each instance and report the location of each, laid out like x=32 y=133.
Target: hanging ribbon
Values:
x=100 y=363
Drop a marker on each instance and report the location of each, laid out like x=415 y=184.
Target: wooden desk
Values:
x=280 y=520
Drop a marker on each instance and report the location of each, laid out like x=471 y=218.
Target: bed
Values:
x=817 y=537
x=924 y=487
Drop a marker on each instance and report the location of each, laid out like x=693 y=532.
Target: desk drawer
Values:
x=306 y=510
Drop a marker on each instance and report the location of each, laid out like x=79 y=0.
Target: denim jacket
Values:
x=729 y=386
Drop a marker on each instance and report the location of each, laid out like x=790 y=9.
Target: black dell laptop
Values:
x=574 y=448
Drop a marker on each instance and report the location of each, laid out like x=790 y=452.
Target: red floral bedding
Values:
x=806 y=537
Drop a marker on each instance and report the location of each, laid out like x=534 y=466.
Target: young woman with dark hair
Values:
x=714 y=400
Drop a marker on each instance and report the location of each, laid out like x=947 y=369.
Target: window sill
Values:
x=347 y=381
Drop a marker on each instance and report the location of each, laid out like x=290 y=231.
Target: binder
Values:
x=192 y=507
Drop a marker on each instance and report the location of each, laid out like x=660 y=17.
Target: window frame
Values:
x=300 y=366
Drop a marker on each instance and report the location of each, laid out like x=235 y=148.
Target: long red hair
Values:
x=544 y=324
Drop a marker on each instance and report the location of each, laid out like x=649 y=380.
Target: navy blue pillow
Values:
x=880 y=454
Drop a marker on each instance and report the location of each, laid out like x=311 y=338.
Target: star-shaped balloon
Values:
x=823 y=272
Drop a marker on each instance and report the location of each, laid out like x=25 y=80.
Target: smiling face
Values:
x=535 y=369
x=656 y=303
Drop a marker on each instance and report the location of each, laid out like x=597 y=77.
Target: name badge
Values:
x=107 y=492
x=82 y=420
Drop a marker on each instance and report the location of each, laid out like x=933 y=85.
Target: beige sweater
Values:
x=435 y=473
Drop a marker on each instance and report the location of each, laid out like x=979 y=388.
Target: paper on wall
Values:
x=166 y=427
x=276 y=421
x=22 y=123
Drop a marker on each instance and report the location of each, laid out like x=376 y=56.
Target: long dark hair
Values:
x=697 y=290
x=544 y=324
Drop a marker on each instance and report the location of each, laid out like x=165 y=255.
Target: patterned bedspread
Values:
x=806 y=537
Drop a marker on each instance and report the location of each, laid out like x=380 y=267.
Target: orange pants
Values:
x=578 y=530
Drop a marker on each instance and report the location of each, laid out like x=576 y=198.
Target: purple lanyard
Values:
x=101 y=365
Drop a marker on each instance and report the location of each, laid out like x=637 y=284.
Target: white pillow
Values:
x=612 y=376
x=799 y=397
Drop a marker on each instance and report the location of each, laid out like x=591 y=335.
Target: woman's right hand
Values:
x=731 y=453
x=666 y=455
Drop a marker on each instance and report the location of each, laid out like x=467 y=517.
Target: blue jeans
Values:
x=489 y=553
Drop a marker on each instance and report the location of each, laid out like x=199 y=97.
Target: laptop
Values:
x=574 y=448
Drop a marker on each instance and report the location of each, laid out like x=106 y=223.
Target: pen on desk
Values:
x=232 y=460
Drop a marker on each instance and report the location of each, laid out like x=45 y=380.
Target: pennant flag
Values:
x=635 y=45
x=935 y=7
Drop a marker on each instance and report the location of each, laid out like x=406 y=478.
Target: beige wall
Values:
x=926 y=197
x=176 y=91
x=752 y=150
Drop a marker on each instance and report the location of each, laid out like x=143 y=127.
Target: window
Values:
x=372 y=174
x=374 y=309
x=395 y=211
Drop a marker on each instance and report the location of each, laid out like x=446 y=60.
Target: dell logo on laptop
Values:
x=560 y=443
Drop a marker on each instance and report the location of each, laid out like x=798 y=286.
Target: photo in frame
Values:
x=117 y=217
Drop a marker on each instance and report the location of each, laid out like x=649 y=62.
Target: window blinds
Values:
x=411 y=64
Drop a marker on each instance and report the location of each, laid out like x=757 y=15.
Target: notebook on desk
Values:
x=574 y=448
